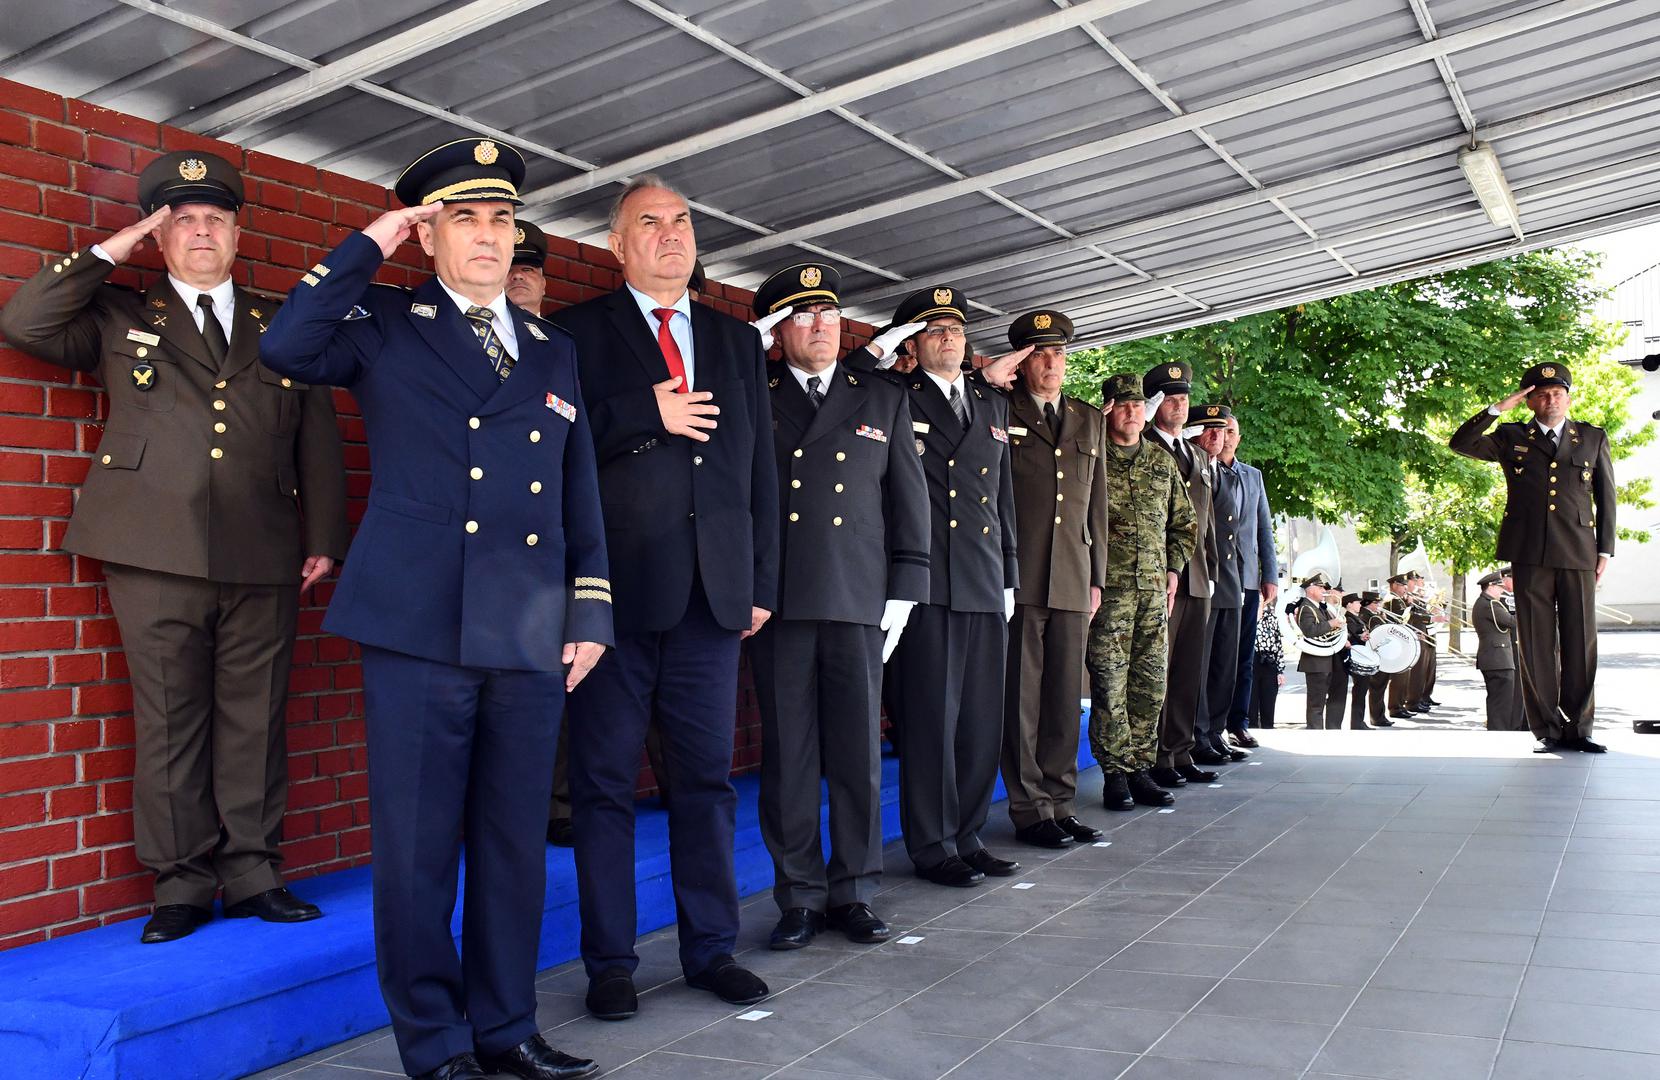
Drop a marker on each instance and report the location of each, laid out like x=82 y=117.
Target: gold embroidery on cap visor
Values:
x=193 y=169
x=1213 y=411
x=1548 y=372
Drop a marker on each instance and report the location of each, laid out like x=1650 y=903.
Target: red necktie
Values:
x=671 y=351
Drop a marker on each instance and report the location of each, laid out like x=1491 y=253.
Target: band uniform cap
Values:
x=465 y=170
x=530 y=246
x=1369 y=597
x=1319 y=577
x=1349 y=598
x=1172 y=377
x=1124 y=387
x=189 y=176
x=798 y=285
x=1547 y=375
x=1397 y=579
x=1045 y=326
x=934 y=302
x=1495 y=578
x=1413 y=575
x=1209 y=416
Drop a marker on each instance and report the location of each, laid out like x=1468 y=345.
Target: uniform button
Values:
x=1553 y=491
x=219 y=405
x=219 y=428
x=108 y=459
x=983 y=500
x=220 y=385
x=287 y=382
x=798 y=453
x=472 y=526
x=535 y=436
x=1553 y=506
x=472 y=422
x=1230 y=517
x=531 y=540
x=697 y=459
x=985 y=530
x=1057 y=451
x=795 y=483
x=953 y=524
x=217 y=453
x=535 y=487
x=141 y=352
x=984 y=470
x=951 y=463
x=836 y=521
x=841 y=456
x=58 y=268
x=795 y=517
x=1059 y=475
x=1553 y=464
x=1059 y=497
x=1057 y=519
x=476 y=473
x=952 y=493
x=838 y=489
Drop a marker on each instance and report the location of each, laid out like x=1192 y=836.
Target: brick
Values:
x=118 y=730
x=272 y=222
x=107 y=764
x=359 y=190
x=73 y=870
x=123 y=892
x=18 y=810
x=120 y=125
x=34 y=569
x=78 y=600
x=22 y=398
x=355 y=842
x=312 y=793
x=17 y=941
x=21 y=97
x=15 y=161
x=107 y=153
x=67 y=470
x=103 y=698
x=116 y=795
x=22 y=880
x=19 y=431
x=96 y=633
x=24 y=740
x=37 y=841
x=19 y=196
x=121 y=861
x=22 y=603
x=70 y=735
x=23 y=467
x=276 y=168
x=70 y=669
x=75 y=404
x=36 y=636
x=33 y=231
x=173 y=138
x=22 y=671
x=65 y=142
x=117 y=185
x=68 y=206
x=28 y=500
x=107 y=829
x=20 y=535
x=313 y=850
x=72 y=802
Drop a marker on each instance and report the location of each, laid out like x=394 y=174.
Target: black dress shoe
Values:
x=1147 y=793
x=1115 y=790
x=1204 y=754
x=274 y=905
x=534 y=1059
x=858 y=922
x=1243 y=738
x=1359 y=725
x=1080 y=833
x=990 y=865
x=172 y=922
x=1044 y=834
x=611 y=995
x=1167 y=778
x=1431 y=701
x=459 y=1067
x=1196 y=775
x=953 y=872
x=1548 y=745
x=1383 y=721
x=1583 y=745
x=1402 y=714
x=1233 y=753
x=798 y=927
x=561 y=833
x=730 y=981
x=1421 y=706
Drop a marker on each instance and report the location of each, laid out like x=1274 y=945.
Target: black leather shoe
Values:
x=1359 y=725
x=1196 y=775
x=1233 y=753
x=172 y=922
x=1167 y=778
x=1044 y=834
x=1205 y=754
x=1080 y=833
x=1431 y=701
x=1584 y=745
x=858 y=922
x=534 y=1059
x=274 y=905
x=1383 y=721
x=990 y=865
x=730 y=981
x=561 y=833
x=1402 y=714
x=1115 y=790
x=611 y=995
x=1243 y=738
x=459 y=1067
x=953 y=872
x=1147 y=793
x=1421 y=706
x=798 y=927
x=1548 y=745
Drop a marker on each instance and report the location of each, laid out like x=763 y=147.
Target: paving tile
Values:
x=1003 y=1059
x=671 y=1066
x=1403 y=972
x=891 y=1049
x=1601 y=1026
x=1177 y=958
x=1522 y=1060
x=1596 y=954
x=1465 y=945
x=771 y=1040
x=1141 y=990
x=1274 y=1043
x=1004 y=978
x=890 y=967
x=1254 y=999
x=1155 y=1068
x=1398 y=1055
x=944 y=1012
x=1431 y=1012
x=1091 y=1026
x=1618 y=988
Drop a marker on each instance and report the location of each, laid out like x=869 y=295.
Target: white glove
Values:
x=765 y=325
x=894 y=617
x=1154 y=402
x=885 y=344
x=1008 y=604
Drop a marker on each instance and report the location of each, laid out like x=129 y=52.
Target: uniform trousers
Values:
x=1187 y=663
x=1360 y=687
x=1501 y=700
x=1042 y=691
x=1126 y=656
x=209 y=668
x=1265 y=693
x=1556 y=622
x=1222 y=668
x=819 y=685
x=1326 y=692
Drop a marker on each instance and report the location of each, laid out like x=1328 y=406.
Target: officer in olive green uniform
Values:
x=1495 y=659
x=1150 y=537
x=217 y=486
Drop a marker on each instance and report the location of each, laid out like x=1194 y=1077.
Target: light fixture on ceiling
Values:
x=1481 y=168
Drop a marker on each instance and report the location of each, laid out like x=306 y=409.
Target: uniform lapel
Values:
x=840 y=402
x=528 y=377
x=1570 y=432
x=448 y=334
x=631 y=325
x=1023 y=407
x=245 y=331
x=789 y=402
x=168 y=317
x=933 y=405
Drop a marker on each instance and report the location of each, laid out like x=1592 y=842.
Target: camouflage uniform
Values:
x=1151 y=532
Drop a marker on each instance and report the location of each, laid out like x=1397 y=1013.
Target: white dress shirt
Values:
x=500 y=321
x=823 y=377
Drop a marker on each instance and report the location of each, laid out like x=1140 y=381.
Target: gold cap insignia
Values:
x=942 y=296
x=811 y=276
x=193 y=169
x=1042 y=322
x=485 y=153
x=1214 y=410
x=519 y=236
x=1173 y=371
x=1548 y=372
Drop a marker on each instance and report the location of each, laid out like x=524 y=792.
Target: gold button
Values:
x=951 y=462
x=985 y=530
x=840 y=456
x=798 y=453
x=535 y=436
x=220 y=385
x=472 y=526
x=1553 y=506
x=531 y=540
x=535 y=487
x=476 y=473
x=108 y=459
x=1553 y=464
x=1057 y=519
x=58 y=269
x=838 y=489
x=216 y=453
x=1553 y=491
x=795 y=517
x=472 y=422
x=1059 y=475
x=952 y=493
x=220 y=405
x=1057 y=451
x=288 y=382
x=697 y=459
x=983 y=470
x=982 y=500
x=219 y=428
x=953 y=524
x=795 y=483
x=141 y=352
x=835 y=521
x=1059 y=497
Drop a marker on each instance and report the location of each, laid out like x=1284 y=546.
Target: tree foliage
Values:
x=1347 y=404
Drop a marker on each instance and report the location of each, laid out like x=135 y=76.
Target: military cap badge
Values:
x=942 y=296
x=519 y=236
x=1173 y=371
x=1548 y=372
x=811 y=276
x=1213 y=410
x=193 y=169
x=485 y=153
x=1042 y=322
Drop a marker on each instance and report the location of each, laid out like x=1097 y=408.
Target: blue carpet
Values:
x=239 y=996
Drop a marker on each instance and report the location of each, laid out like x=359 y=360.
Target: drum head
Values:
x=1395 y=645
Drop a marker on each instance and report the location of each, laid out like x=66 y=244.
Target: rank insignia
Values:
x=851 y=381
x=425 y=311
x=811 y=276
x=562 y=407
x=144 y=376
x=142 y=338
x=254 y=312
x=1586 y=476
x=865 y=431
x=536 y=332
x=942 y=296
x=772 y=383
x=158 y=320
x=999 y=434
x=358 y=311
x=158 y=303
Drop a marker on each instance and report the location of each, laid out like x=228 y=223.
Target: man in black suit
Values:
x=1558 y=534
x=681 y=419
x=853 y=562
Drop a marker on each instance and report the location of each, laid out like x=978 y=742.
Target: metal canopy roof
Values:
x=1143 y=164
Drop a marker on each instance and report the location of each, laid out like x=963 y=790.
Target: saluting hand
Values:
x=999 y=371
x=686 y=414
x=579 y=657
x=393 y=227
x=1514 y=399
x=121 y=246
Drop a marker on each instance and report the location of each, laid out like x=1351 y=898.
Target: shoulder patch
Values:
x=358 y=311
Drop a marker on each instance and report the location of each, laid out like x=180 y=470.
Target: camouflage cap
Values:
x=1123 y=387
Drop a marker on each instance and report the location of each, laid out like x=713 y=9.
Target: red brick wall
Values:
x=68 y=179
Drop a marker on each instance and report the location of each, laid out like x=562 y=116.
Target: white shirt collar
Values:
x=945 y=385
x=682 y=306
x=823 y=377
x=1557 y=430
x=223 y=294
x=500 y=318
x=1168 y=440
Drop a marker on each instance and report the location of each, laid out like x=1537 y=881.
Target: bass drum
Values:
x=1363 y=660
x=1396 y=646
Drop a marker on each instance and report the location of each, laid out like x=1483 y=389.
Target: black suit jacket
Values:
x=674 y=507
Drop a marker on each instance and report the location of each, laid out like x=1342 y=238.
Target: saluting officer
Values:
x=950 y=661
x=1493 y=622
x=853 y=562
x=215 y=497
x=1060 y=499
x=1326 y=676
x=477 y=587
x=1558 y=535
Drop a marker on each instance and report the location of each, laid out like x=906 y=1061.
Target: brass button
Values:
x=1553 y=506
x=1057 y=519
x=531 y=540
x=952 y=493
x=472 y=422
x=217 y=453
x=108 y=459
x=287 y=382
x=835 y=521
x=472 y=526
x=220 y=385
x=141 y=352
x=984 y=470
x=535 y=436
x=983 y=500
x=950 y=462
x=1059 y=497
x=219 y=428
x=985 y=530
x=1553 y=491
x=1057 y=451
x=58 y=269
x=476 y=473
x=697 y=459
x=1553 y=464
x=219 y=405
x=838 y=489
x=841 y=456
x=1059 y=475
x=535 y=487
x=798 y=453
x=953 y=524
x=795 y=517
x=795 y=483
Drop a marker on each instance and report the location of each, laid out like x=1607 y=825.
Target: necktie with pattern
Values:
x=481 y=320
x=212 y=332
x=814 y=394
x=671 y=348
x=958 y=405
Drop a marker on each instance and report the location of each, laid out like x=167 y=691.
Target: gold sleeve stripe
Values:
x=592 y=582
x=309 y=279
x=320 y=270
x=593 y=594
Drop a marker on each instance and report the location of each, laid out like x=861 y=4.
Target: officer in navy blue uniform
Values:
x=477 y=587
x=950 y=661
x=681 y=425
x=854 y=561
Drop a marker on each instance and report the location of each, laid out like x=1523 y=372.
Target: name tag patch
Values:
x=562 y=407
x=999 y=434
x=920 y=426
x=425 y=311
x=865 y=431
x=143 y=338
x=1018 y=431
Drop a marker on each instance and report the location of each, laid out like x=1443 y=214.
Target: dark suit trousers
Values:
x=1220 y=683
x=950 y=728
x=688 y=677
x=209 y=668
x=1501 y=699
x=1326 y=692
x=1265 y=694
x=559 y=806
x=1042 y=715
x=1359 y=687
x=458 y=756
x=1376 y=691
x=1556 y=619
x=1239 y=717
x=1187 y=664
x=819 y=685
x=1402 y=685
